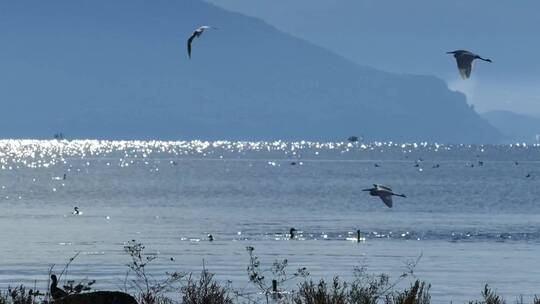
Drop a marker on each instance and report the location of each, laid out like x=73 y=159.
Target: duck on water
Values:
x=292 y=233
x=76 y=211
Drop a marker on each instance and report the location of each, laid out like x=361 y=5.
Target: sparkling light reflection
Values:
x=45 y=153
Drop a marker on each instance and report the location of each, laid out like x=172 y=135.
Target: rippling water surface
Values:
x=472 y=212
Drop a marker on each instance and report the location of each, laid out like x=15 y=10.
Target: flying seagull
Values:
x=464 y=61
x=384 y=193
x=197 y=33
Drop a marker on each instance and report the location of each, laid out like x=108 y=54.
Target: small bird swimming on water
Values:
x=196 y=34
x=292 y=233
x=76 y=211
x=385 y=193
x=359 y=236
x=464 y=60
x=352 y=139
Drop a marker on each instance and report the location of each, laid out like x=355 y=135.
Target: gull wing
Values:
x=387 y=199
x=384 y=188
x=189 y=43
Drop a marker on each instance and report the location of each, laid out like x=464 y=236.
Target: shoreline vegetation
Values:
x=273 y=283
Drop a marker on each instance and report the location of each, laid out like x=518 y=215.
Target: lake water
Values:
x=472 y=224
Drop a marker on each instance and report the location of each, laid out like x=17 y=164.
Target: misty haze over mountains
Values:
x=119 y=70
x=515 y=127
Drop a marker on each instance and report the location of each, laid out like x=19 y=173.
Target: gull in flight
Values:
x=196 y=34
x=384 y=193
x=465 y=60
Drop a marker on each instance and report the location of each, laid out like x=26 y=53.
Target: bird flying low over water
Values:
x=196 y=34
x=465 y=60
x=384 y=193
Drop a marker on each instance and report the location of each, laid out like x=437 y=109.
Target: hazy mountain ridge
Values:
x=413 y=37
x=120 y=70
x=410 y=36
x=515 y=127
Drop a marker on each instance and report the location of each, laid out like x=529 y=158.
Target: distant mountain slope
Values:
x=515 y=127
x=413 y=36
x=119 y=69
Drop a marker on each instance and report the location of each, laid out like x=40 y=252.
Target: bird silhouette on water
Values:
x=292 y=233
x=56 y=293
x=76 y=211
x=352 y=139
x=385 y=193
x=464 y=60
x=358 y=236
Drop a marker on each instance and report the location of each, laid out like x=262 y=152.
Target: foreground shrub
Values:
x=375 y=291
x=490 y=297
x=311 y=293
x=150 y=290
x=271 y=283
x=18 y=295
x=417 y=294
x=368 y=289
x=150 y=298
x=205 y=291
